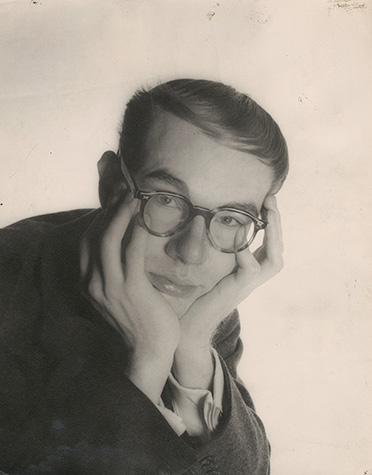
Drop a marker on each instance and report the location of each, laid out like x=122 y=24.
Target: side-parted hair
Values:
x=219 y=111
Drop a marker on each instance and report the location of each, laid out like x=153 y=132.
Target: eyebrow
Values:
x=163 y=175
x=248 y=207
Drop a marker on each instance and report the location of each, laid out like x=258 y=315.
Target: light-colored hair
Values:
x=224 y=114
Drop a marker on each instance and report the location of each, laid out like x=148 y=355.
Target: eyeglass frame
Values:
x=206 y=213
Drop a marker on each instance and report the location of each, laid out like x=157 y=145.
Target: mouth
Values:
x=170 y=287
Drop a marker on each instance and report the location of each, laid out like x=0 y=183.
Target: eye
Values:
x=229 y=221
x=167 y=201
x=232 y=219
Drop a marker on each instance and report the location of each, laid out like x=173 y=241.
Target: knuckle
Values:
x=110 y=294
x=112 y=299
x=94 y=290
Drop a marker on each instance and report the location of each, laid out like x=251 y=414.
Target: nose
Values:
x=191 y=244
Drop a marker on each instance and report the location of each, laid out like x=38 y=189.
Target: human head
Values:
x=214 y=146
x=219 y=111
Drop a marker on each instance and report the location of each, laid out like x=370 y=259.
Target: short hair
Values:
x=221 y=112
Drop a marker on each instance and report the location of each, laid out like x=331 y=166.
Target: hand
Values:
x=125 y=297
x=201 y=320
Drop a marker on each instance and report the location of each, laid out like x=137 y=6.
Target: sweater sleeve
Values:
x=239 y=445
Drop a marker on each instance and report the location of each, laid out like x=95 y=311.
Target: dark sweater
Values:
x=66 y=406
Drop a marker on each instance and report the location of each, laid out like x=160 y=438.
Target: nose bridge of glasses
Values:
x=199 y=211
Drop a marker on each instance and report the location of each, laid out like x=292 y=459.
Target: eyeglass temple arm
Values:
x=261 y=224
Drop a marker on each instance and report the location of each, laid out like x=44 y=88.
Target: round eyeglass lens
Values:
x=165 y=213
x=231 y=230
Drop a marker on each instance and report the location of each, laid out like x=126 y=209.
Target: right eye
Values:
x=167 y=201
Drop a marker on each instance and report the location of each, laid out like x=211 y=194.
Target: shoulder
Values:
x=21 y=244
x=24 y=234
x=37 y=226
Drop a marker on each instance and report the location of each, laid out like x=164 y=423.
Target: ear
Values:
x=110 y=175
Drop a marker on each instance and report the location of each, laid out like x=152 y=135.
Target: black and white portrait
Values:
x=185 y=253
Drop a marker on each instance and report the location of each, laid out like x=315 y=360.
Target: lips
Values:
x=170 y=287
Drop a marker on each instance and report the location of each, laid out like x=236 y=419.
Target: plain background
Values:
x=67 y=69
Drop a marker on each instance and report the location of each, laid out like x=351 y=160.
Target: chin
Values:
x=179 y=305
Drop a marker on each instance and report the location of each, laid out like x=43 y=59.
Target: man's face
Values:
x=181 y=159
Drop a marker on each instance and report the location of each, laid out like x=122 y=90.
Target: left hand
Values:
x=200 y=321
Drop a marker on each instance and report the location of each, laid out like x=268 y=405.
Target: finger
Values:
x=271 y=253
x=135 y=252
x=246 y=263
x=274 y=227
x=117 y=218
x=241 y=281
x=248 y=268
x=226 y=295
x=111 y=242
x=96 y=295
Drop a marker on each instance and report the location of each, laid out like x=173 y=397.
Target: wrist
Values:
x=149 y=373
x=200 y=343
x=194 y=367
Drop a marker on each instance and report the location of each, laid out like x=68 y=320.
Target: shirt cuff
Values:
x=173 y=419
x=198 y=409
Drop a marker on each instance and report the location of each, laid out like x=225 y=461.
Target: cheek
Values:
x=155 y=247
x=155 y=255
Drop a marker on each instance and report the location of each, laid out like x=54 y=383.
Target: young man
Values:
x=119 y=336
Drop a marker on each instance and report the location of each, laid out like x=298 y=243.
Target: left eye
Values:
x=228 y=221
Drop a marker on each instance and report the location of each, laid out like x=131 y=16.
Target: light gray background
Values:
x=67 y=69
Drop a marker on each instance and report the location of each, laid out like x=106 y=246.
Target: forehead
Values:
x=213 y=173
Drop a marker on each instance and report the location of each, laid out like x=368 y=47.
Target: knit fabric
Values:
x=66 y=406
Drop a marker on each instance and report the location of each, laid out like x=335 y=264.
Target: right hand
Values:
x=125 y=297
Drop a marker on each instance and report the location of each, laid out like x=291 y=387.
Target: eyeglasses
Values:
x=165 y=213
